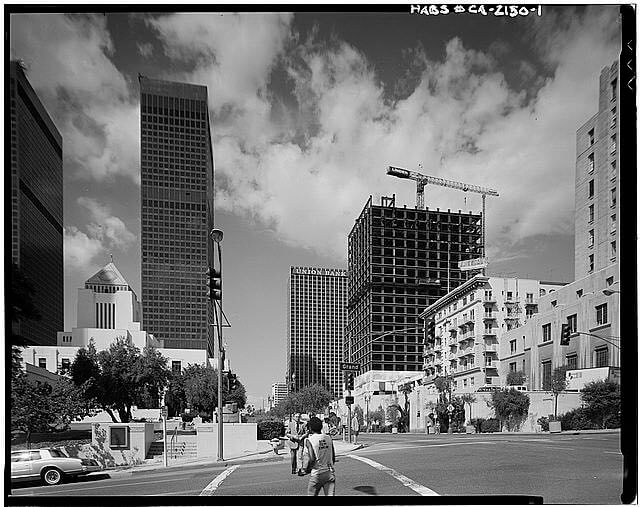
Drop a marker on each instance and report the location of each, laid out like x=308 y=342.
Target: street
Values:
x=563 y=468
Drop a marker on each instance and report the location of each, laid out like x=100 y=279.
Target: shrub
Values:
x=577 y=419
x=187 y=418
x=206 y=417
x=269 y=429
x=490 y=426
x=477 y=423
x=544 y=423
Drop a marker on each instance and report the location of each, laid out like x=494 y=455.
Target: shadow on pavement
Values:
x=68 y=480
x=368 y=490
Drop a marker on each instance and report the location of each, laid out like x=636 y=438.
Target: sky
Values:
x=308 y=109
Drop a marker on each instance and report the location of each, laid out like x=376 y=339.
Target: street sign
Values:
x=349 y=366
x=348 y=400
x=479 y=263
x=450 y=407
x=164 y=412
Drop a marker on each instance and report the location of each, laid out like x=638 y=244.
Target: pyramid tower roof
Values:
x=108 y=275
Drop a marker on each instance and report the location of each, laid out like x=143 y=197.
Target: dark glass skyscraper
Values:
x=401 y=261
x=36 y=207
x=177 y=212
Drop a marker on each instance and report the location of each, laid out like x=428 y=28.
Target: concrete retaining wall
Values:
x=140 y=438
x=238 y=439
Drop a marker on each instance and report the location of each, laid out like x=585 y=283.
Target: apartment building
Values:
x=470 y=322
x=279 y=392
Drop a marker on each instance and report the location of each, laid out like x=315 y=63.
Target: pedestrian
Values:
x=319 y=459
x=355 y=428
x=296 y=433
x=325 y=426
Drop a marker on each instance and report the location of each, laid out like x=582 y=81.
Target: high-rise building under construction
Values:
x=177 y=212
x=400 y=261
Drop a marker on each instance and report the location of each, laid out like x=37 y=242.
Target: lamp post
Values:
x=216 y=235
x=367 y=398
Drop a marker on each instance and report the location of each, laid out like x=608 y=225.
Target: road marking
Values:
x=385 y=449
x=215 y=483
x=418 y=488
x=613 y=452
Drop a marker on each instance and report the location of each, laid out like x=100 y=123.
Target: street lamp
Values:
x=216 y=235
x=367 y=398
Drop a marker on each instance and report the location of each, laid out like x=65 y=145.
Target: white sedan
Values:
x=49 y=465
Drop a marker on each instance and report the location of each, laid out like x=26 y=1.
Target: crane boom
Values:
x=422 y=180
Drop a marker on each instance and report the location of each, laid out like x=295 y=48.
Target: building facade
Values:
x=316 y=322
x=279 y=392
x=36 y=207
x=470 y=324
x=597 y=181
x=108 y=310
x=177 y=212
x=401 y=261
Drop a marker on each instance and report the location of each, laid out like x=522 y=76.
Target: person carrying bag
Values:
x=297 y=433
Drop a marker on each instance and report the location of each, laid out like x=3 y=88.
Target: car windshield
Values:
x=55 y=453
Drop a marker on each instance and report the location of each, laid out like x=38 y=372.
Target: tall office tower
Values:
x=279 y=392
x=317 y=318
x=36 y=207
x=401 y=261
x=596 y=192
x=177 y=212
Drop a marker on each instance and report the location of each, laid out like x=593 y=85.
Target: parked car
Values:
x=488 y=389
x=49 y=465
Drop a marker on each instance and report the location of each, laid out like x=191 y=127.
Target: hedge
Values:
x=270 y=429
x=490 y=426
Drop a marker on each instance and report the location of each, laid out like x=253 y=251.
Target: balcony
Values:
x=493 y=365
x=489 y=299
x=489 y=316
x=530 y=302
x=491 y=348
x=512 y=316
x=511 y=301
x=490 y=331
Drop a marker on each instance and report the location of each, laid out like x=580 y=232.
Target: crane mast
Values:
x=422 y=180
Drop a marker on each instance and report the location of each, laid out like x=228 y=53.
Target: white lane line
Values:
x=418 y=488
x=215 y=483
x=385 y=449
x=613 y=452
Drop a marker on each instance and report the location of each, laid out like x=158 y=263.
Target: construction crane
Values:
x=422 y=180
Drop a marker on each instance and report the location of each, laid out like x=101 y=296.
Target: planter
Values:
x=555 y=427
x=394 y=430
x=470 y=428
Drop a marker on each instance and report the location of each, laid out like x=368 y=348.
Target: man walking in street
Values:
x=319 y=458
x=355 y=428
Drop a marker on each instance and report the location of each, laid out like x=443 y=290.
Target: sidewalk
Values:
x=261 y=456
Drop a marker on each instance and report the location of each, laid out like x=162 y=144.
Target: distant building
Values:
x=470 y=323
x=108 y=310
x=597 y=181
x=279 y=392
x=317 y=318
x=177 y=212
x=36 y=206
x=402 y=260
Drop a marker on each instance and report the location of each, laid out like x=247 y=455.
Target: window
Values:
x=471 y=381
x=512 y=367
x=512 y=346
x=609 y=281
x=529 y=297
x=554 y=303
x=613 y=250
x=591 y=263
x=612 y=224
x=591 y=213
x=591 y=135
x=42 y=362
x=613 y=197
x=464 y=382
x=613 y=118
x=119 y=437
x=509 y=295
x=591 y=188
x=546 y=375
x=66 y=365
x=542 y=292
x=572 y=320
x=572 y=362
x=590 y=163
x=602 y=357
x=591 y=238
x=546 y=333
x=601 y=314
x=614 y=89
x=612 y=169
x=612 y=145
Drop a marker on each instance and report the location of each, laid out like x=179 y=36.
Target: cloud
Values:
x=80 y=250
x=69 y=64
x=105 y=227
x=145 y=49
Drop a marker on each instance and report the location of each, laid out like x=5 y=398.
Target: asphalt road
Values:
x=564 y=468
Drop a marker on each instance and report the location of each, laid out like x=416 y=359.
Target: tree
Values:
x=175 y=397
x=601 y=400
x=201 y=387
x=510 y=406
x=443 y=385
x=120 y=377
x=516 y=378
x=468 y=398
x=238 y=395
x=358 y=413
x=558 y=384
x=377 y=417
x=313 y=398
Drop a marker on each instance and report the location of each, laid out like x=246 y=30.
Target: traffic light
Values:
x=565 y=335
x=233 y=381
x=431 y=331
x=214 y=284
x=350 y=381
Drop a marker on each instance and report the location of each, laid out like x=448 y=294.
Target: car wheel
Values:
x=52 y=476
